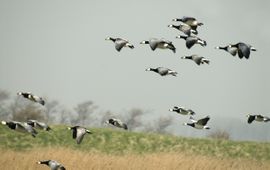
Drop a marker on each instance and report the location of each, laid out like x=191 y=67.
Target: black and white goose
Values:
x=38 y=125
x=182 y=110
x=78 y=133
x=120 y=43
x=199 y=124
x=192 y=40
x=32 y=97
x=162 y=71
x=197 y=59
x=241 y=48
x=117 y=123
x=54 y=165
x=155 y=43
x=258 y=118
x=184 y=28
x=20 y=127
x=191 y=21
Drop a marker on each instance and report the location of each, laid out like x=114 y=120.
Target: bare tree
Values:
x=133 y=121
x=84 y=110
x=52 y=110
x=65 y=116
x=30 y=111
x=219 y=134
x=4 y=96
x=162 y=123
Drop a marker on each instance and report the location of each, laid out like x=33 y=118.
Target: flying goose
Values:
x=32 y=97
x=182 y=110
x=162 y=71
x=78 y=133
x=258 y=118
x=241 y=48
x=197 y=59
x=159 y=43
x=184 y=28
x=20 y=127
x=39 y=125
x=120 y=43
x=54 y=165
x=191 y=40
x=198 y=124
x=117 y=123
x=191 y=21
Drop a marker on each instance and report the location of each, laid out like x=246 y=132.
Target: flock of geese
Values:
x=188 y=26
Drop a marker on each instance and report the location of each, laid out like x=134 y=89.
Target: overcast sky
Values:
x=57 y=49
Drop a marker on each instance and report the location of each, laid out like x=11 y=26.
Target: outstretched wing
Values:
x=153 y=43
x=119 y=44
x=125 y=126
x=243 y=50
x=251 y=118
x=190 y=41
x=203 y=121
x=197 y=59
x=74 y=133
x=163 y=71
x=80 y=134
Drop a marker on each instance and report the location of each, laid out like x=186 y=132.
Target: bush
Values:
x=219 y=134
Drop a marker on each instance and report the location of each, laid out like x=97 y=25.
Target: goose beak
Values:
x=38 y=162
x=217 y=47
x=170 y=26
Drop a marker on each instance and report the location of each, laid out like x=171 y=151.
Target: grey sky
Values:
x=58 y=49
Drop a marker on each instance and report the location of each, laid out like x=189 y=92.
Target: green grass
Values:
x=113 y=141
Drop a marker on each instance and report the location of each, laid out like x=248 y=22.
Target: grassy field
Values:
x=14 y=160
x=116 y=149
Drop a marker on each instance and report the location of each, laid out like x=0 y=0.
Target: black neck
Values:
x=188 y=57
x=191 y=124
x=154 y=69
x=45 y=162
x=146 y=42
x=176 y=110
x=184 y=37
x=112 y=39
x=176 y=26
x=223 y=48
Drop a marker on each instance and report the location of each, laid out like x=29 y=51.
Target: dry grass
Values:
x=26 y=160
